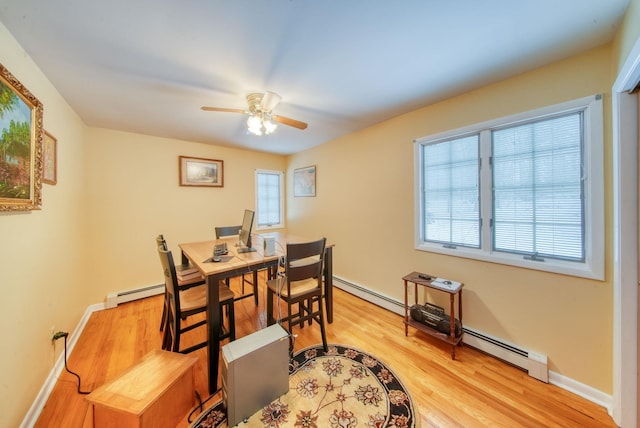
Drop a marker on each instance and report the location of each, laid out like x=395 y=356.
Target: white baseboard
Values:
x=585 y=391
x=43 y=395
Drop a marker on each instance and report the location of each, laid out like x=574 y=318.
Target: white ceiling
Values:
x=147 y=66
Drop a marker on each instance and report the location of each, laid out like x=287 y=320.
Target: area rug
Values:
x=343 y=387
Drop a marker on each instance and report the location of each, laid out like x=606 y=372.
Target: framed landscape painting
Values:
x=201 y=172
x=20 y=146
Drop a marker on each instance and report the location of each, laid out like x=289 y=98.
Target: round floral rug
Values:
x=343 y=387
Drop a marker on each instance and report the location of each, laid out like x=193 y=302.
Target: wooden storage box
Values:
x=156 y=392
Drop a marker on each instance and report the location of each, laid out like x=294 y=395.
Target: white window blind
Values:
x=538 y=194
x=451 y=192
x=269 y=199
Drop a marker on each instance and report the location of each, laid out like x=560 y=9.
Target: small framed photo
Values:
x=304 y=181
x=50 y=159
x=200 y=172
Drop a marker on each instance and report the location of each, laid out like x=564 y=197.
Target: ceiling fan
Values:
x=259 y=109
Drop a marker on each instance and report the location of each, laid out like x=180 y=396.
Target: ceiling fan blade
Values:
x=290 y=122
x=230 y=110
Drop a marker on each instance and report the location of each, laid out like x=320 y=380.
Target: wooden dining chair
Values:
x=225 y=232
x=184 y=303
x=187 y=276
x=300 y=285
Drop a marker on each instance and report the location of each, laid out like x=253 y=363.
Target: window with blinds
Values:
x=537 y=189
x=525 y=190
x=451 y=192
x=269 y=199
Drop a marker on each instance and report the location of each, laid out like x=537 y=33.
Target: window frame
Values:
x=280 y=225
x=593 y=266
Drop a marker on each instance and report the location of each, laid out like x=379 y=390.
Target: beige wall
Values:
x=365 y=204
x=133 y=195
x=41 y=252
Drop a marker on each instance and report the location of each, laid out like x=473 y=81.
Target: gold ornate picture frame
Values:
x=21 y=138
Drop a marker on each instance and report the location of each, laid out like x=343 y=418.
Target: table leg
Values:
x=452 y=325
x=460 y=313
x=213 y=329
x=406 y=310
x=255 y=287
x=328 y=282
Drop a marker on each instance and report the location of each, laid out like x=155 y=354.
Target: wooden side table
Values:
x=156 y=392
x=452 y=290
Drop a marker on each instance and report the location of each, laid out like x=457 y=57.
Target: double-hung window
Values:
x=526 y=190
x=269 y=199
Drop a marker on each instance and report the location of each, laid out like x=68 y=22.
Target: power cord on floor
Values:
x=57 y=336
x=201 y=404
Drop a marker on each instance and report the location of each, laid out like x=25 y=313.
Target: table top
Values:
x=442 y=284
x=199 y=253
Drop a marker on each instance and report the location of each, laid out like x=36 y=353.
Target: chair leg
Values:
x=164 y=312
x=176 y=333
x=290 y=317
x=169 y=327
x=255 y=287
x=270 y=319
x=322 y=330
x=232 y=321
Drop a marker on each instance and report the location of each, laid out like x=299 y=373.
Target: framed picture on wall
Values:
x=50 y=159
x=304 y=181
x=21 y=154
x=201 y=172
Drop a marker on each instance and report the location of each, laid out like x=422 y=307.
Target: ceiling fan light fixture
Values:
x=259 y=124
x=269 y=126
x=254 y=125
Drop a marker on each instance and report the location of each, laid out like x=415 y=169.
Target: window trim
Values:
x=280 y=225
x=593 y=266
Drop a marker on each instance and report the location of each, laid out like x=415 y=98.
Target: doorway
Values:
x=626 y=405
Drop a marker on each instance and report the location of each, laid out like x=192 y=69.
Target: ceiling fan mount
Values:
x=260 y=106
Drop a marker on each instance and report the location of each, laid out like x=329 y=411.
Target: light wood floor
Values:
x=475 y=390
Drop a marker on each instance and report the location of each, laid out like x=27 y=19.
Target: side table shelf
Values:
x=452 y=289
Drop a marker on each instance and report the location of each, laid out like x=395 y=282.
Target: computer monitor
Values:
x=245 y=232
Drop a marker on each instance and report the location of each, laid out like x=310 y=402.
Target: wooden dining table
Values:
x=236 y=263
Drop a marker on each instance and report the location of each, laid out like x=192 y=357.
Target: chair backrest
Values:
x=170 y=278
x=223 y=231
x=161 y=242
x=304 y=261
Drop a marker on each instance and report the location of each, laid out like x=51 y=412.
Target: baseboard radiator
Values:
x=114 y=299
x=535 y=364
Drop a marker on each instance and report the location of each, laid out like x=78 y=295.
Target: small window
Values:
x=269 y=199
